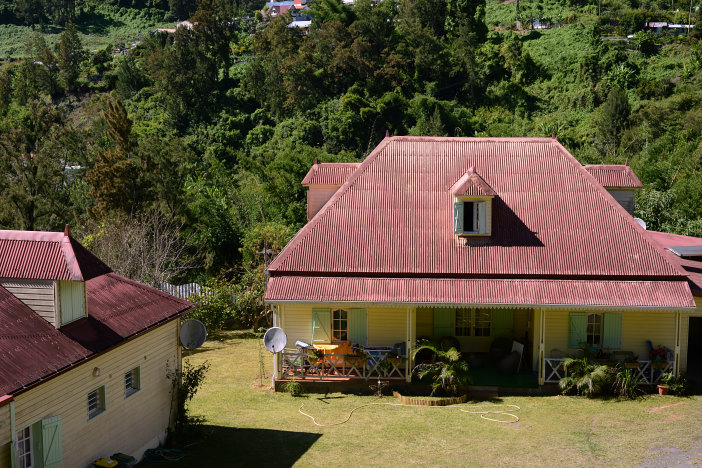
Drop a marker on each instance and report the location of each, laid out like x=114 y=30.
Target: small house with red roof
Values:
x=84 y=355
x=507 y=248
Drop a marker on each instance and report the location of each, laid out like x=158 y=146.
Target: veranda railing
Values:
x=297 y=363
x=650 y=371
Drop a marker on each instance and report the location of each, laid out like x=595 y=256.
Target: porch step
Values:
x=483 y=392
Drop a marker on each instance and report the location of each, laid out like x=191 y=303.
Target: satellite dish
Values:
x=275 y=339
x=192 y=334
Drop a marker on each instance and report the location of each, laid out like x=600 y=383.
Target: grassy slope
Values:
x=248 y=425
x=106 y=26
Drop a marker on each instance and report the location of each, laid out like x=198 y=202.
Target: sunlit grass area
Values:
x=249 y=424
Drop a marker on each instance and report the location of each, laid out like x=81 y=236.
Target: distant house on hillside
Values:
x=298 y=9
x=507 y=248
x=183 y=24
x=84 y=355
x=662 y=26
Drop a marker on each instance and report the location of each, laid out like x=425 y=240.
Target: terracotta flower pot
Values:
x=663 y=389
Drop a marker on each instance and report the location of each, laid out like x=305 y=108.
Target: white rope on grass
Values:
x=493 y=409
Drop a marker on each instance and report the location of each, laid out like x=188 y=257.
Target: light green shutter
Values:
x=444 y=323
x=458 y=217
x=482 y=218
x=612 y=331
x=51 y=441
x=358 y=330
x=72 y=301
x=577 y=330
x=321 y=326
x=503 y=323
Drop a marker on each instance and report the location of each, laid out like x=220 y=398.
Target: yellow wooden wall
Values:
x=317 y=197
x=5 y=436
x=38 y=295
x=637 y=327
x=386 y=325
x=128 y=425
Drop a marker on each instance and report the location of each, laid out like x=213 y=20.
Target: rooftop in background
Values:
x=614 y=175
x=46 y=256
x=329 y=173
x=693 y=267
x=472 y=185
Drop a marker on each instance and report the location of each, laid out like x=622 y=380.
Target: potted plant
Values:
x=315 y=356
x=664 y=386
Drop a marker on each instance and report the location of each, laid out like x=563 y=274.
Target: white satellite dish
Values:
x=275 y=339
x=192 y=334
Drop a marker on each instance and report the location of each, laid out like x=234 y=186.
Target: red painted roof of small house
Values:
x=472 y=185
x=118 y=308
x=614 y=175
x=552 y=220
x=46 y=256
x=329 y=173
x=692 y=267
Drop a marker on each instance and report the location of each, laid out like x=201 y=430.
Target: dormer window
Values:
x=472 y=206
x=470 y=217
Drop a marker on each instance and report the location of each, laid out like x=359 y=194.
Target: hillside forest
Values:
x=179 y=158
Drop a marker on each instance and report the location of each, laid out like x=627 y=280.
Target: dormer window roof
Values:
x=472 y=205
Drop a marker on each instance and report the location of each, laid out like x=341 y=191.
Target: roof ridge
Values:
x=496 y=139
x=295 y=241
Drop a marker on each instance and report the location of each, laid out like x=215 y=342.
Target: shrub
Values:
x=627 y=384
x=294 y=388
x=677 y=385
x=186 y=383
x=585 y=377
x=449 y=372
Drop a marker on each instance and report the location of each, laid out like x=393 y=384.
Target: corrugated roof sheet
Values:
x=329 y=173
x=614 y=175
x=394 y=215
x=481 y=291
x=47 y=256
x=472 y=185
x=692 y=267
x=118 y=308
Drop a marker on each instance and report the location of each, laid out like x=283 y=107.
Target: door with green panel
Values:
x=444 y=322
x=503 y=323
x=321 y=326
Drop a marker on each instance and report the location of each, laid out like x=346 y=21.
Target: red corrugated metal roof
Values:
x=394 y=215
x=692 y=268
x=614 y=175
x=673 y=294
x=47 y=256
x=329 y=173
x=471 y=184
x=118 y=308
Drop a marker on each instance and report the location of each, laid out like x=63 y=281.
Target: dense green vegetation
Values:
x=205 y=134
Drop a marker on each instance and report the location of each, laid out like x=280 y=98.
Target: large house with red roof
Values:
x=84 y=355
x=506 y=247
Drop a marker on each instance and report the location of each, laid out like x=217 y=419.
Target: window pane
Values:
x=483 y=322
x=462 y=322
x=468 y=209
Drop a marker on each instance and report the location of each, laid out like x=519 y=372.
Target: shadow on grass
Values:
x=229 y=446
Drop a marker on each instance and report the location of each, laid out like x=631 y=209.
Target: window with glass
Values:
x=96 y=402
x=340 y=325
x=463 y=322
x=483 y=322
x=131 y=382
x=24 y=448
x=594 y=329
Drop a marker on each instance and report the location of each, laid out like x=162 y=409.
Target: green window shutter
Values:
x=358 y=329
x=458 y=217
x=52 y=452
x=577 y=330
x=503 y=323
x=482 y=218
x=444 y=322
x=612 y=331
x=321 y=326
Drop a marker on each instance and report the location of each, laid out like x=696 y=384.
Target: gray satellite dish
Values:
x=192 y=334
x=275 y=339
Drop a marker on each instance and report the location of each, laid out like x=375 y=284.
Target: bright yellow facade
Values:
x=129 y=424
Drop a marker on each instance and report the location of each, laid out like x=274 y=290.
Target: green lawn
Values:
x=248 y=425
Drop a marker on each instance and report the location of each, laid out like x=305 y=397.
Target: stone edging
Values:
x=419 y=401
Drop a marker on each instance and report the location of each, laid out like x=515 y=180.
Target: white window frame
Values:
x=345 y=331
x=472 y=322
x=101 y=405
x=132 y=381
x=464 y=324
x=24 y=437
x=482 y=321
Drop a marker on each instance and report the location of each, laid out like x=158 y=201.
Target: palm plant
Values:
x=628 y=383
x=448 y=372
x=584 y=376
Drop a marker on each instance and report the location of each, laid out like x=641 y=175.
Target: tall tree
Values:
x=71 y=55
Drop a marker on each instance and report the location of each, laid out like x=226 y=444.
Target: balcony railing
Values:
x=301 y=364
x=650 y=371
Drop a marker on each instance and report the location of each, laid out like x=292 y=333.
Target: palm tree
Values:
x=585 y=376
x=448 y=371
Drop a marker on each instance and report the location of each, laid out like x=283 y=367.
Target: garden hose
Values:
x=493 y=409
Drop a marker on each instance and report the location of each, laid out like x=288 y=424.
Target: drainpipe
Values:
x=13 y=430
